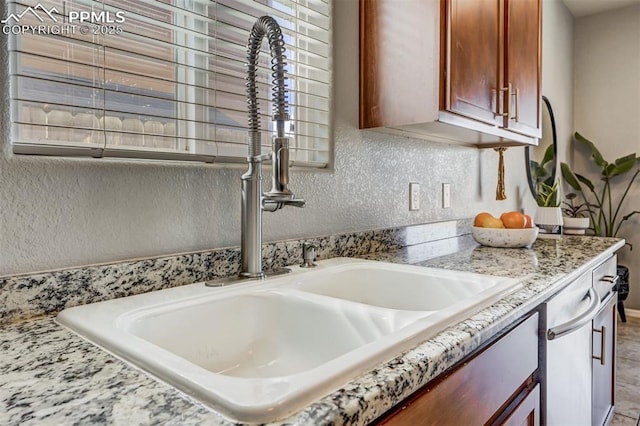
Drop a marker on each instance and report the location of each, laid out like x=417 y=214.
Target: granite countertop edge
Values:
x=47 y=372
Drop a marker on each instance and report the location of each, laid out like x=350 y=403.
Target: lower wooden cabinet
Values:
x=527 y=412
x=498 y=385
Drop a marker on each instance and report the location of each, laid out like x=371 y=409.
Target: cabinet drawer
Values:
x=480 y=388
x=603 y=276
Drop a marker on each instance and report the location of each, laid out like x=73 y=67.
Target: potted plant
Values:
x=544 y=170
x=603 y=207
x=548 y=213
x=574 y=220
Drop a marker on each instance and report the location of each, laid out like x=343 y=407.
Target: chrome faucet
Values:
x=254 y=201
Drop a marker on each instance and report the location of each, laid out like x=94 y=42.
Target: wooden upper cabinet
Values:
x=398 y=62
x=522 y=71
x=474 y=59
x=492 y=68
x=452 y=70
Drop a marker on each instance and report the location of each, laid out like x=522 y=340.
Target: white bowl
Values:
x=504 y=238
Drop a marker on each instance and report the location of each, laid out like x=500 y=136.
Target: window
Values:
x=162 y=79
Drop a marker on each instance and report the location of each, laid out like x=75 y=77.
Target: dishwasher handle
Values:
x=575 y=323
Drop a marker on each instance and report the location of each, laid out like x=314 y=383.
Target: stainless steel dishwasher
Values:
x=567 y=353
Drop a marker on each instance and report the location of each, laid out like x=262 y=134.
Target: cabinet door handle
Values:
x=505 y=101
x=603 y=344
x=610 y=279
x=516 y=94
x=578 y=321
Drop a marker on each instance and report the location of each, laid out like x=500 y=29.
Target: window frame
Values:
x=106 y=151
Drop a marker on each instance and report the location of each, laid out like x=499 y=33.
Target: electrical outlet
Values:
x=414 y=196
x=446 y=195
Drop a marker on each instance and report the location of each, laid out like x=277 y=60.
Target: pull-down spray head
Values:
x=267 y=26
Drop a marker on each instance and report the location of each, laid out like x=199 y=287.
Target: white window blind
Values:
x=166 y=83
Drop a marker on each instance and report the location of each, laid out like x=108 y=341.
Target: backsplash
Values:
x=29 y=295
x=57 y=213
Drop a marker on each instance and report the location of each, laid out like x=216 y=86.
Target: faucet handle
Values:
x=271 y=203
x=296 y=202
x=308 y=255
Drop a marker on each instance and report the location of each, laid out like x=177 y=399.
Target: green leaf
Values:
x=547 y=195
x=537 y=171
x=630 y=157
x=569 y=177
x=586 y=182
x=597 y=157
x=548 y=155
x=606 y=172
x=623 y=165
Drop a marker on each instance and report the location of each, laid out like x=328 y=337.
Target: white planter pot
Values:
x=575 y=225
x=549 y=219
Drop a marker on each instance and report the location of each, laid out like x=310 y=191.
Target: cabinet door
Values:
x=399 y=62
x=604 y=355
x=473 y=70
x=522 y=75
x=528 y=411
x=477 y=391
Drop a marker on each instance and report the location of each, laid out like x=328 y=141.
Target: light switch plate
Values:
x=414 y=196
x=446 y=195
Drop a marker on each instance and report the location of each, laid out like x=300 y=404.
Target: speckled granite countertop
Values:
x=48 y=375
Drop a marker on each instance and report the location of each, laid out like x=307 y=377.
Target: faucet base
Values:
x=252 y=276
x=264 y=274
x=244 y=277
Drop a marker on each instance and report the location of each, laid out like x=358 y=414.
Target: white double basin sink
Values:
x=262 y=350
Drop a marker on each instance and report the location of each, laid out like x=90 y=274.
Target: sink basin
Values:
x=399 y=286
x=260 y=334
x=259 y=351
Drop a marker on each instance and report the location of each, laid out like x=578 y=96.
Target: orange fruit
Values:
x=480 y=218
x=513 y=220
x=529 y=221
x=492 y=222
x=486 y=220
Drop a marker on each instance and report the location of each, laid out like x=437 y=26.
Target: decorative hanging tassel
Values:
x=500 y=191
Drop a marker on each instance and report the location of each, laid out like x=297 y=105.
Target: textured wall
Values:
x=61 y=212
x=557 y=70
x=607 y=108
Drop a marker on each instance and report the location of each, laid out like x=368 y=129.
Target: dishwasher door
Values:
x=567 y=354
